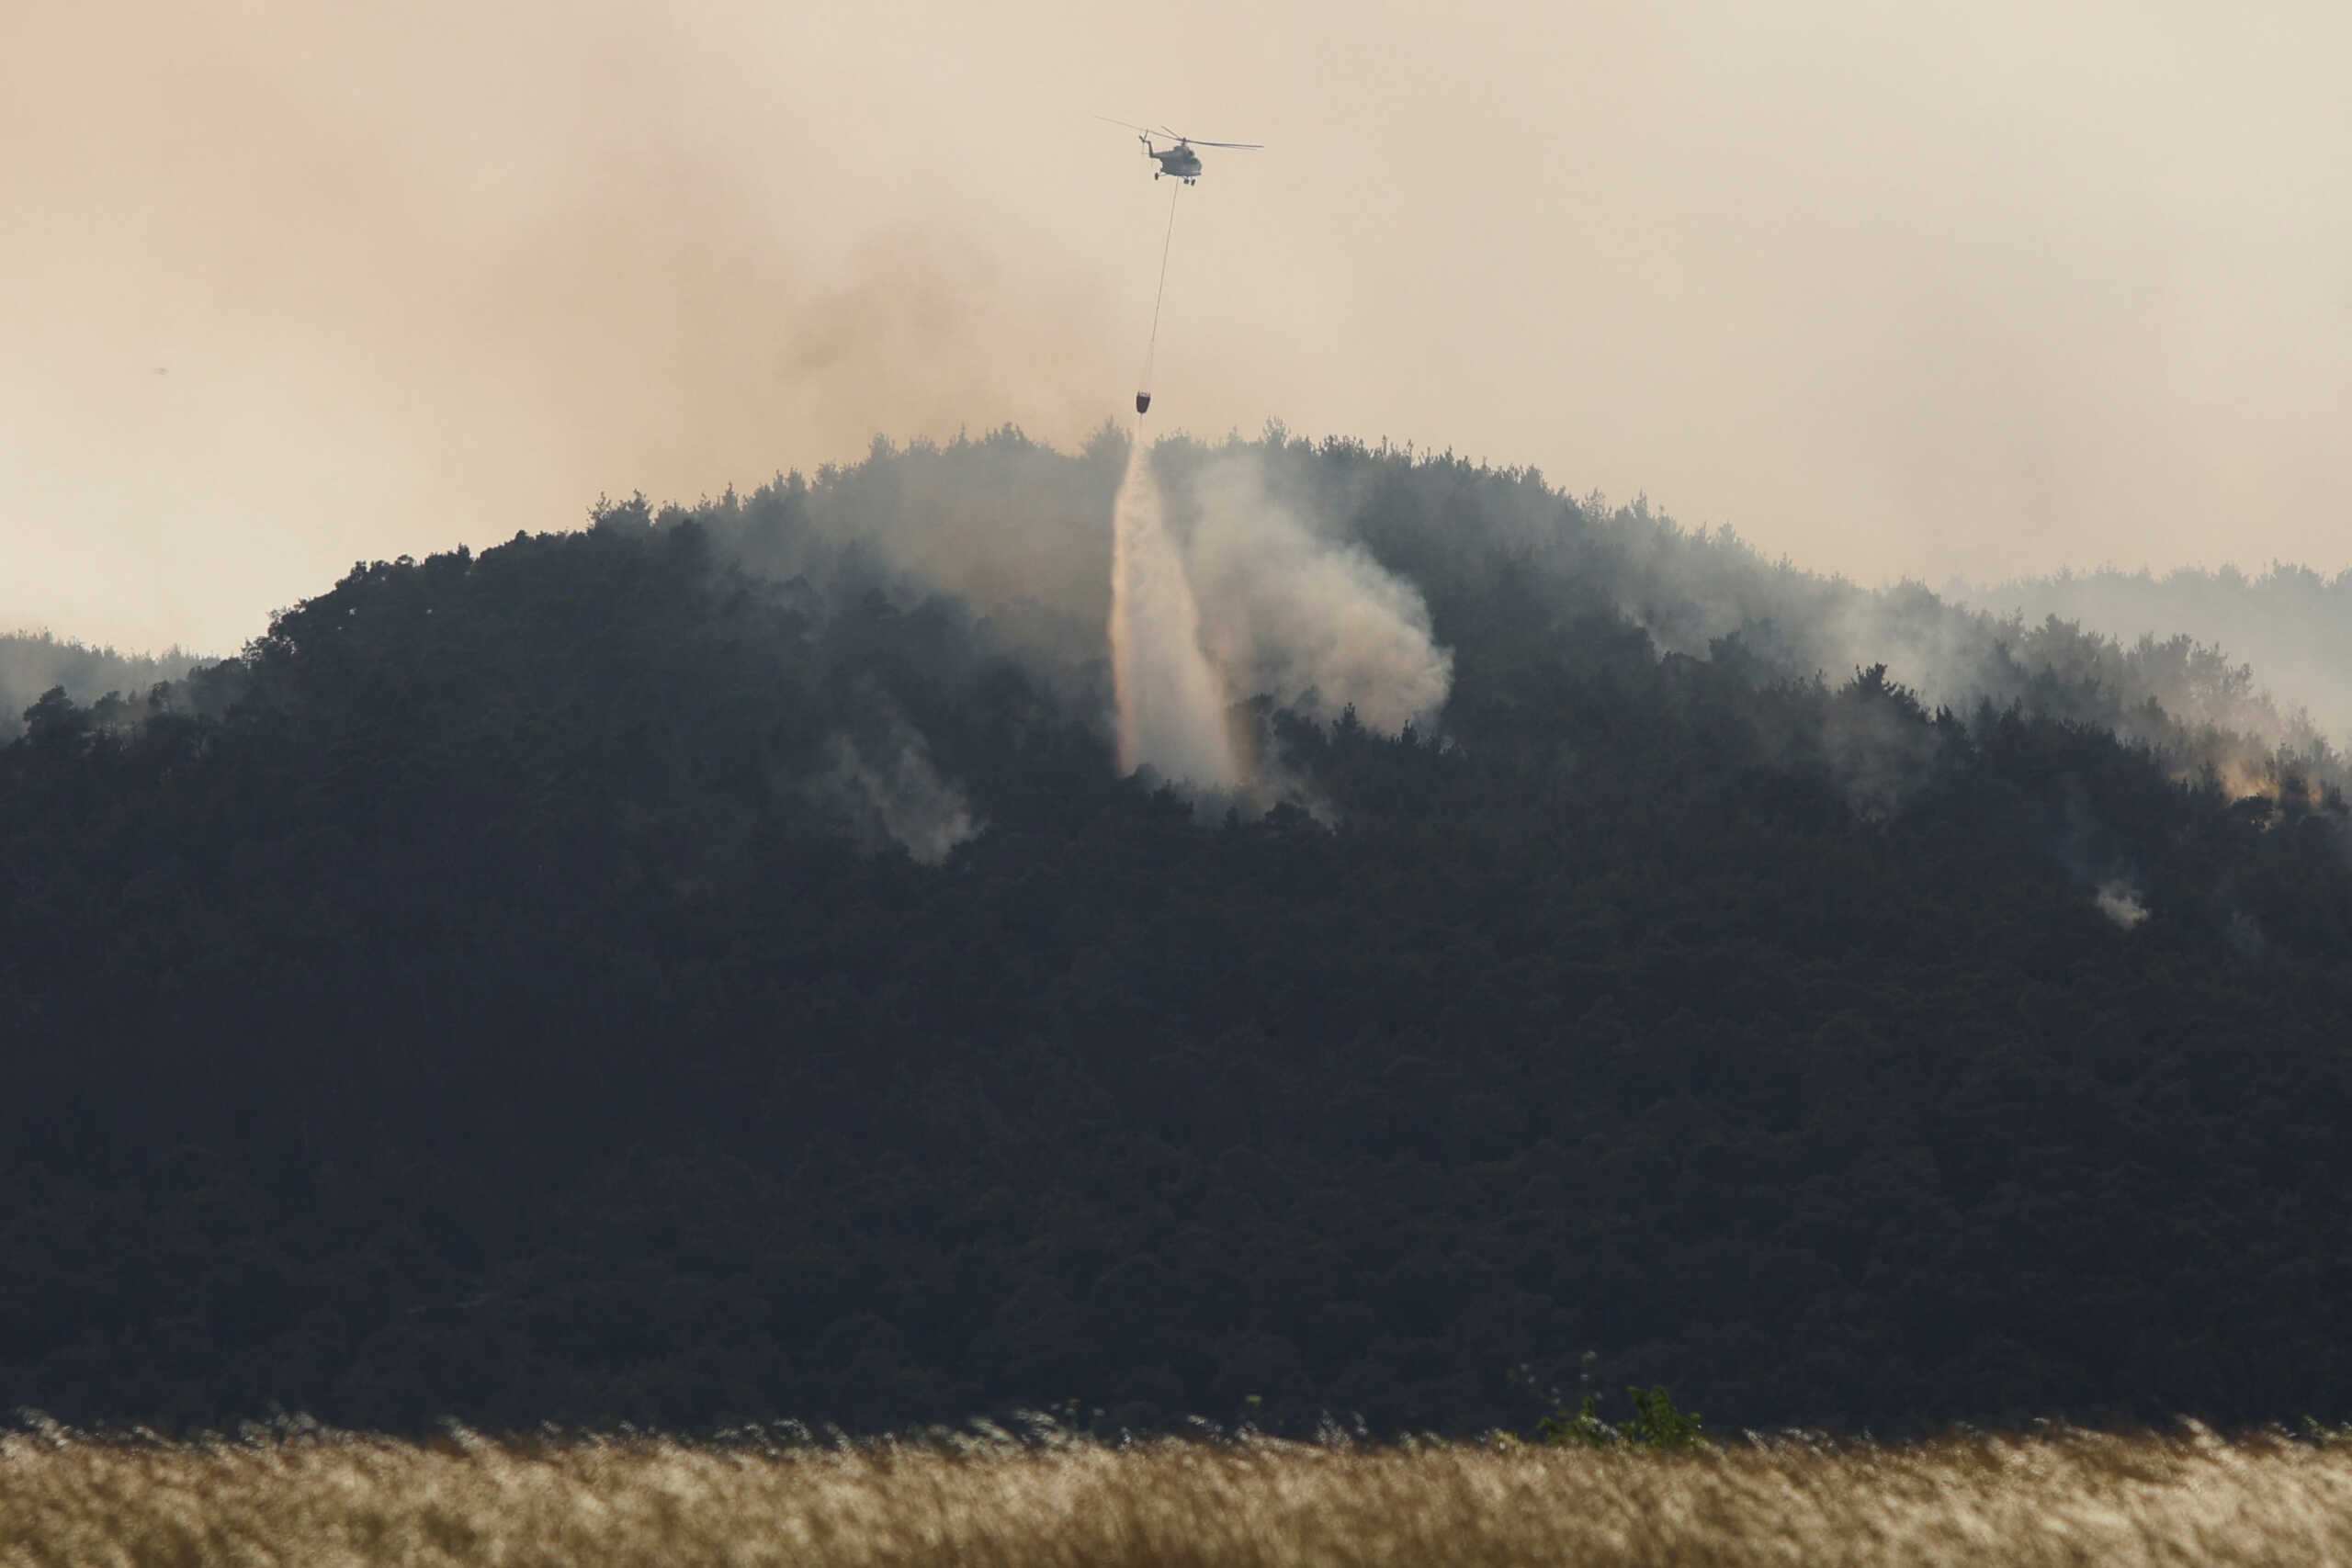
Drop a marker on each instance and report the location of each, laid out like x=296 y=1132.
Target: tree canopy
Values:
x=705 y=966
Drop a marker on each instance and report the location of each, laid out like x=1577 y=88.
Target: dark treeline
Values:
x=704 y=967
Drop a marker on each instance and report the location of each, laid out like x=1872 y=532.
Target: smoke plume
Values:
x=2120 y=902
x=901 y=797
x=1311 y=621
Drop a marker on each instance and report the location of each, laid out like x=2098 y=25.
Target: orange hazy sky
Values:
x=1895 y=289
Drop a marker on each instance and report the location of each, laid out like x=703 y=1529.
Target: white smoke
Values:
x=2120 y=902
x=902 y=797
x=1171 y=700
x=1314 y=623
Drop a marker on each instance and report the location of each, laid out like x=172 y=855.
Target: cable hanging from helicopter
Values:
x=1183 y=162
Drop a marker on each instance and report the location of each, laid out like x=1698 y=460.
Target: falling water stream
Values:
x=1171 y=699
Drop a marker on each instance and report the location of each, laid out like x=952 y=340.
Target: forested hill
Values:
x=705 y=966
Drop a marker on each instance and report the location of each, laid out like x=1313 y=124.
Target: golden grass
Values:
x=337 y=1498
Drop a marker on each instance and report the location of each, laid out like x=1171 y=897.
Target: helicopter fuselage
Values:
x=1179 y=160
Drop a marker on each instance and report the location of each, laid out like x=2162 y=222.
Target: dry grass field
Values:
x=326 y=1499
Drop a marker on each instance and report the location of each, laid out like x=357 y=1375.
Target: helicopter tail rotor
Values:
x=1143 y=133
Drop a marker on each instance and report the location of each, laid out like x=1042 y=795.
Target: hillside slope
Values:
x=705 y=966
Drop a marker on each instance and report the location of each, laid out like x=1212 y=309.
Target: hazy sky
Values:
x=1895 y=288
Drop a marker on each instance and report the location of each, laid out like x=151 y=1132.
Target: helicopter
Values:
x=1180 y=160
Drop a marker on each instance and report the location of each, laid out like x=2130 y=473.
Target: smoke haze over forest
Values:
x=2291 y=625
x=1989 y=292
x=709 y=962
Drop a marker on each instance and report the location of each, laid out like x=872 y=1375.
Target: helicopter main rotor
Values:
x=1143 y=133
x=1183 y=140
